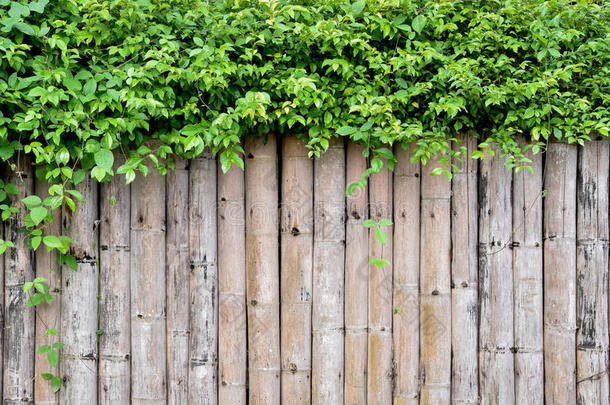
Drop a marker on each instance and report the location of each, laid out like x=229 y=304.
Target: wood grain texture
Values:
x=560 y=274
x=328 y=276
x=2 y=307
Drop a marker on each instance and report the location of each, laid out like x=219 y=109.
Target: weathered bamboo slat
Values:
x=79 y=302
x=296 y=243
x=148 y=305
x=203 y=281
x=356 y=281
x=262 y=271
x=435 y=288
x=464 y=275
x=527 y=276
x=328 y=276
x=592 y=268
x=560 y=274
x=19 y=320
x=232 y=337
x=178 y=276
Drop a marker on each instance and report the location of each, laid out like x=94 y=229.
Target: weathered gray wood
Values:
x=232 y=337
x=356 y=280
x=592 y=282
x=435 y=288
x=527 y=270
x=405 y=327
x=19 y=320
x=148 y=299
x=262 y=271
x=560 y=274
x=79 y=300
x=178 y=276
x=296 y=244
x=203 y=355
x=380 y=371
x=464 y=277
x=2 y=307
x=328 y=276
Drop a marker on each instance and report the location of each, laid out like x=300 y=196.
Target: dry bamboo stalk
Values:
x=296 y=225
x=328 y=276
x=262 y=271
x=176 y=253
x=435 y=288
x=19 y=321
x=560 y=274
x=406 y=278
x=527 y=276
x=79 y=302
x=203 y=355
x=464 y=277
x=592 y=267
x=47 y=316
x=356 y=281
x=380 y=370
x=232 y=337
x=148 y=306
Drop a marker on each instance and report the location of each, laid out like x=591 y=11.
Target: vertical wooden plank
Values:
x=380 y=372
x=232 y=336
x=560 y=274
x=356 y=280
x=2 y=307
x=262 y=271
x=203 y=281
x=18 y=387
x=592 y=268
x=148 y=305
x=79 y=302
x=296 y=245
x=178 y=276
x=464 y=277
x=527 y=276
x=47 y=316
x=328 y=275
x=406 y=277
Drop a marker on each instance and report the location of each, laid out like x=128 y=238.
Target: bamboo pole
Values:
x=560 y=274
x=435 y=288
x=178 y=273
x=328 y=275
x=148 y=305
x=464 y=277
x=356 y=280
x=380 y=371
x=262 y=271
x=527 y=273
x=19 y=320
x=406 y=277
x=47 y=316
x=296 y=244
x=203 y=281
x=592 y=268
x=232 y=337
x=79 y=302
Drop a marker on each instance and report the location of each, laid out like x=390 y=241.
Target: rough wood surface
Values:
x=464 y=275
x=262 y=271
x=178 y=276
x=232 y=337
x=296 y=244
x=328 y=276
x=356 y=280
x=2 y=307
x=203 y=355
x=592 y=273
x=527 y=276
x=560 y=274
x=148 y=302
x=79 y=304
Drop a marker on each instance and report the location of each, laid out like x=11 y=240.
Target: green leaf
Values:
x=32 y=201
x=53 y=358
x=76 y=194
x=11 y=189
x=56 y=384
x=385 y=222
x=357 y=7
x=90 y=87
x=52 y=242
x=347 y=130
x=70 y=261
x=369 y=223
x=98 y=173
x=381 y=236
x=105 y=159
x=58 y=345
x=419 y=23
x=43 y=349
x=38 y=214
x=18 y=10
x=35 y=299
x=379 y=262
